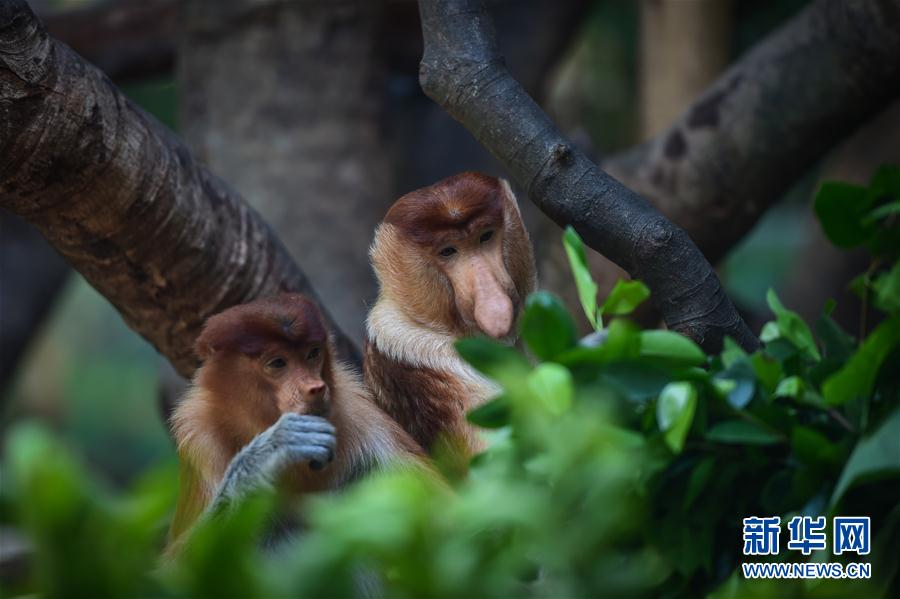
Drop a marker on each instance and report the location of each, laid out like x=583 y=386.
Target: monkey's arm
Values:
x=294 y=438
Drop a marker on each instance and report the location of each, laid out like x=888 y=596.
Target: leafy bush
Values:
x=621 y=463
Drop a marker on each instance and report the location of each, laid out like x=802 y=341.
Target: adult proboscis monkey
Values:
x=452 y=260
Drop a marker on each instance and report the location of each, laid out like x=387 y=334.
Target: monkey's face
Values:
x=297 y=375
x=456 y=254
x=483 y=292
x=270 y=357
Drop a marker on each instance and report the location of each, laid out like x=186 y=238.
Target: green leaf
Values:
x=743 y=378
x=699 y=477
x=584 y=282
x=874 y=456
x=495 y=360
x=552 y=385
x=857 y=377
x=547 y=327
x=859 y=285
x=624 y=298
x=732 y=352
x=792 y=327
x=841 y=208
x=790 y=387
x=768 y=371
x=886 y=182
x=743 y=432
x=493 y=414
x=812 y=447
x=770 y=332
x=622 y=342
x=836 y=342
x=887 y=290
x=882 y=211
x=671 y=347
x=675 y=412
x=635 y=380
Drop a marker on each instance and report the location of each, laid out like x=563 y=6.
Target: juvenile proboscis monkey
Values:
x=452 y=260
x=271 y=406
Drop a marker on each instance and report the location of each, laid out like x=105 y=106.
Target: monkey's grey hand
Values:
x=294 y=438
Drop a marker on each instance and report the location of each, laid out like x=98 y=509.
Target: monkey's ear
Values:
x=508 y=196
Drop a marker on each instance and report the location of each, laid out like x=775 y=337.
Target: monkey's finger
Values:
x=322 y=439
x=306 y=423
x=312 y=453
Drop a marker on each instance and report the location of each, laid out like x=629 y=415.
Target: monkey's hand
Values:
x=294 y=438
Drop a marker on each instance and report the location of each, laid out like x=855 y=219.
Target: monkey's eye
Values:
x=313 y=353
x=276 y=363
x=447 y=251
x=486 y=236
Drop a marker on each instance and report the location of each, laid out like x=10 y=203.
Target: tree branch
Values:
x=768 y=119
x=462 y=70
x=122 y=199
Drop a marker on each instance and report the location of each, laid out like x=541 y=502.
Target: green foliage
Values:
x=620 y=464
x=584 y=282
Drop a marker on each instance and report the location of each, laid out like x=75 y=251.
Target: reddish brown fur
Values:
x=449 y=209
x=248 y=328
x=230 y=403
x=429 y=404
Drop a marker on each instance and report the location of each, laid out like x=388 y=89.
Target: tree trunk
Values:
x=286 y=98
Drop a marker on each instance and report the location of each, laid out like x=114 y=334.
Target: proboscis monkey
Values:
x=270 y=405
x=452 y=260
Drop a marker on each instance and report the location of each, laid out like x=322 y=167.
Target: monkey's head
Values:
x=266 y=358
x=456 y=256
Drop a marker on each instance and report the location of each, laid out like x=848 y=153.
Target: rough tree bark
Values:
x=463 y=71
x=286 y=97
x=768 y=119
x=122 y=199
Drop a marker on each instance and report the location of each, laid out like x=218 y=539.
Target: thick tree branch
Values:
x=122 y=199
x=462 y=70
x=768 y=119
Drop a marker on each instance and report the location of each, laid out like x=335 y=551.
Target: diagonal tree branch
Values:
x=768 y=119
x=463 y=71
x=122 y=199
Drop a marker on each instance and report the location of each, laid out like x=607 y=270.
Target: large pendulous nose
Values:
x=493 y=307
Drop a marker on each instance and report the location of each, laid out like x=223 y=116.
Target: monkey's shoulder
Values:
x=399 y=379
